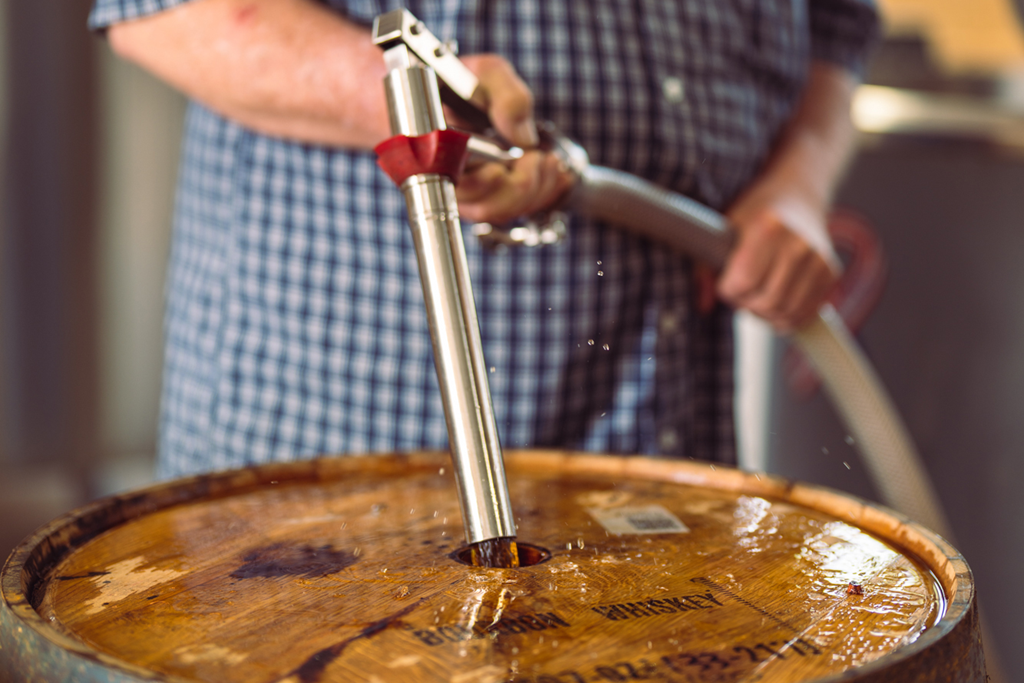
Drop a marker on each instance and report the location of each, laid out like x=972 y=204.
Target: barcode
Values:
x=638 y=519
x=652 y=522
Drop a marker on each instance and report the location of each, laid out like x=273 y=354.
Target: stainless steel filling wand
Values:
x=424 y=158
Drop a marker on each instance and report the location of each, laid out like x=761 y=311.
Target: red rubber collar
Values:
x=442 y=152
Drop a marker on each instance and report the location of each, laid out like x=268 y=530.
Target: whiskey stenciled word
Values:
x=311 y=572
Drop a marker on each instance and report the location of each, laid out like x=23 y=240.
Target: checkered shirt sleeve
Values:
x=842 y=31
x=107 y=12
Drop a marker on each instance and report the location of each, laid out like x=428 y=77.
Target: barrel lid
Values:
x=348 y=569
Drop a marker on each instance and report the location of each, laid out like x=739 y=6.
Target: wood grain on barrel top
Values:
x=344 y=571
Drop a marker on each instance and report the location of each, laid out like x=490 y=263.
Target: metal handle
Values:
x=459 y=87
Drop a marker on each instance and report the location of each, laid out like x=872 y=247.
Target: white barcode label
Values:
x=646 y=519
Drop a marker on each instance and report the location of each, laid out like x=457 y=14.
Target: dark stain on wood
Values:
x=313 y=668
x=282 y=559
x=87 y=575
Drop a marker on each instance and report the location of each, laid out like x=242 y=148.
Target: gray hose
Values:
x=653 y=212
x=857 y=393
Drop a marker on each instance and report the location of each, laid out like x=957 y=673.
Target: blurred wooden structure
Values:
x=965 y=36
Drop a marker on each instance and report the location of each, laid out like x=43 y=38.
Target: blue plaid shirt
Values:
x=295 y=320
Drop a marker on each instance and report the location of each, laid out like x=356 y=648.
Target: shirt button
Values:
x=668 y=323
x=668 y=439
x=672 y=89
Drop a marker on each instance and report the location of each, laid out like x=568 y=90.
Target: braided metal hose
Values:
x=856 y=392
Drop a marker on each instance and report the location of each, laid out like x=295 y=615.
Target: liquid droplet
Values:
x=606 y=347
x=579 y=542
x=824 y=450
x=849 y=440
x=493 y=369
x=600 y=262
x=846 y=464
x=441 y=471
x=590 y=342
x=600 y=273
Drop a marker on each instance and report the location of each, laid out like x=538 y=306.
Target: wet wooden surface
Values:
x=349 y=575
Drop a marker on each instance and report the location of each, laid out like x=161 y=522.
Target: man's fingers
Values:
x=502 y=193
x=793 y=291
x=476 y=185
x=555 y=181
x=751 y=262
x=506 y=97
x=807 y=292
x=775 y=273
x=512 y=116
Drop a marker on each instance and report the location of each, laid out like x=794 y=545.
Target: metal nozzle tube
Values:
x=414 y=104
x=472 y=432
x=414 y=108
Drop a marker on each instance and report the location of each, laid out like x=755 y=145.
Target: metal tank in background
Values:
x=941 y=178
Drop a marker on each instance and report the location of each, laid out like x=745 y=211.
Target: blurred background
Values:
x=88 y=156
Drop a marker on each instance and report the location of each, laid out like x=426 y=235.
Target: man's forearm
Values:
x=814 y=148
x=290 y=68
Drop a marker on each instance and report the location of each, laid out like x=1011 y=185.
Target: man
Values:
x=295 y=323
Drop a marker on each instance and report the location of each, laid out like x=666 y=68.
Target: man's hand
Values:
x=496 y=193
x=783 y=267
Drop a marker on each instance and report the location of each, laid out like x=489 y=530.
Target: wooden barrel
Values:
x=349 y=569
